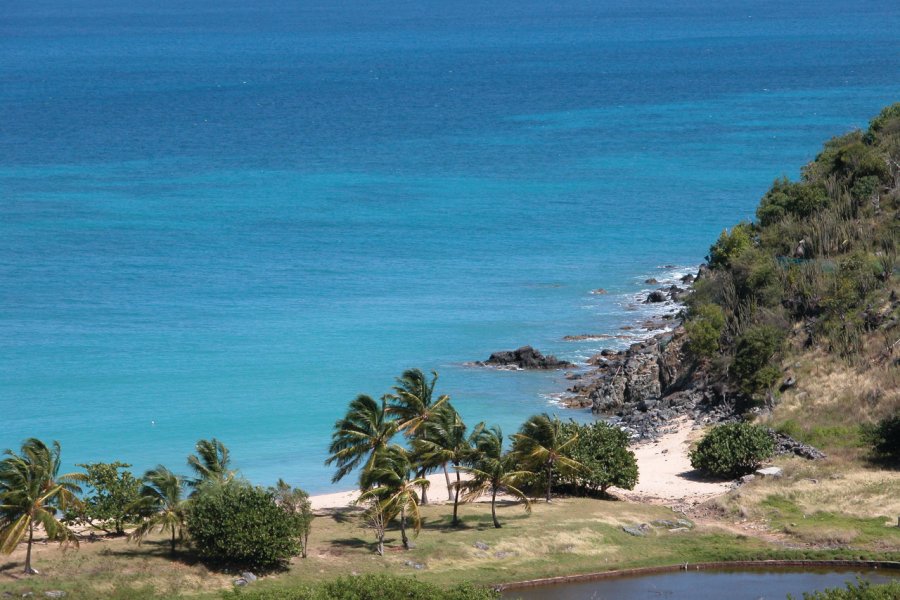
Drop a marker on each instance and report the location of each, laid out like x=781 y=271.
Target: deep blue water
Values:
x=228 y=218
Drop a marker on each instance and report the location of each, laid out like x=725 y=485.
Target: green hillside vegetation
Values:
x=813 y=276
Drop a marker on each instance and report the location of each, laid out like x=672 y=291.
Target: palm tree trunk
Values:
x=173 y=542
x=424 y=488
x=447 y=477
x=381 y=545
x=28 y=569
x=403 y=537
x=456 y=500
x=549 y=479
x=494 y=507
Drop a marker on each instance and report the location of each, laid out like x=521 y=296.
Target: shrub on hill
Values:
x=704 y=329
x=884 y=437
x=732 y=450
x=754 y=357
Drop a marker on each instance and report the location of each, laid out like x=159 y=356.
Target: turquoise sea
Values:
x=228 y=218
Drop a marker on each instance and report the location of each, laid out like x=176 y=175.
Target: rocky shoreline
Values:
x=645 y=388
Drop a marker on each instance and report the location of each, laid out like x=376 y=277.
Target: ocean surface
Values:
x=229 y=218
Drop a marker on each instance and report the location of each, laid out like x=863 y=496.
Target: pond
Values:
x=733 y=584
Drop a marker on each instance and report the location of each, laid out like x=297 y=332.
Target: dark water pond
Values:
x=744 y=584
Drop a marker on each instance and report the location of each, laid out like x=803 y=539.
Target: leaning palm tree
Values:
x=493 y=471
x=364 y=432
x=542 y=443
x=210 y=464
x=32 y=492
x=414 y=404
x=445 y=442
x=390 y=483
x=163 y=505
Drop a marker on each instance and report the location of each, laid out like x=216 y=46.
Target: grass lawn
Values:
x=569 y=536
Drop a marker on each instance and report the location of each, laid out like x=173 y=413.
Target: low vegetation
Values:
x=732 y=450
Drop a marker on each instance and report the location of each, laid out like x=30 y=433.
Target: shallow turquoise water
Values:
x=227 y=220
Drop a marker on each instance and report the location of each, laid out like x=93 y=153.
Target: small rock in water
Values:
x=651 y=281
x=599 y=291
x=655 y=297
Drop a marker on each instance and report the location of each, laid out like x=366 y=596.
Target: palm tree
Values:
x=414 y=404
x=210 y=464
x=163 y=505
x=493 y=471
x=445 y=442
x=360 y=436
x=542 y=442
x=389 y=482
x=32 y=492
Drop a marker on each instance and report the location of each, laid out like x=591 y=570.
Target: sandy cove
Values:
x=664 y=468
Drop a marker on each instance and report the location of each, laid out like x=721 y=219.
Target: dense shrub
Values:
x=238 y=524
x=704 y=329
x=110 y=501
x=730 y=245
x=789 y=198
x=753 y=364
x=732 y=450
x=861 y=590
x=884 y=437
x=369 y=587
x=602 y=450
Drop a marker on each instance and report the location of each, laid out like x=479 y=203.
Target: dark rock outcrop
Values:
x=656 y=296
x=525 y=357
x=785 y=444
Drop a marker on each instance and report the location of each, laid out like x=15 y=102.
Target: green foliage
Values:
x=861 y=590
x=731 y=245
x=887 y=122
x=753 y=364
x=162 y=506
x=602 y=450
x=295 y=502
x=542 y=445
x=704 y=329
x=884 y=438
x=32 y=494
x=369 y=587
x=732 y=450
x=788 y=198
x=114 y=492
x=211 y=464
x=238 y=524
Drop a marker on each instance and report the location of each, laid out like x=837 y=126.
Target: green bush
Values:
x=369 y=587
x=732 y=450
x=753 y=364
x=238 y=524
x=112 y=496
x=861 y=590
x=789 y=198
x=602 y=450
x=704 y=329
x=884 y=438
x=731 y=245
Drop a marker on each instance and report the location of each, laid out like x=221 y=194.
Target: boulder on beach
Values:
x=525 y=357
x=656 y=296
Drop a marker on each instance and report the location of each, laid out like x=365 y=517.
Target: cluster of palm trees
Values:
x=392 y=476
x=33 y=494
